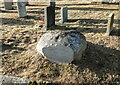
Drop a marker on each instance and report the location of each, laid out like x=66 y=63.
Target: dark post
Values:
x=52 y=5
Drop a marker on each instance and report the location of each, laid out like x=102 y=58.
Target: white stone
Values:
x=58 y=53
x=62 y=46
x=64 y=14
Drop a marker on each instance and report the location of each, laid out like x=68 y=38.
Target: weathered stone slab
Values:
x=49 y=17
x=62 y=46
x=8 y=4
x=21 y=8
x=64 y=14
x=110 y=23
x=10 y=80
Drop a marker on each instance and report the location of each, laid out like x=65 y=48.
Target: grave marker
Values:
x=110 y=23
x=21 y=9
x=49 y=17
x=8 y=5
x=26 y=2
x=64 y=14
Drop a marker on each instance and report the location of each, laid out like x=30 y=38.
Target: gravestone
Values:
x=8 y=4
x=110 y=23
x=64 y=14
x=21 y=6
x=49 y=17
x=62 y=46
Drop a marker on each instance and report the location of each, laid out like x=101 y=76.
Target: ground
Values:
x=100 y=61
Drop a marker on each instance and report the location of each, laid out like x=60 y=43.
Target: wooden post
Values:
x=110 y=23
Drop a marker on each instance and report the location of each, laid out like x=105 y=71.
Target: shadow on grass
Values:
x=31 y=10
x=92 y=3
x=93 y=9
x=93 y=21
x=11 y=47
x=114 y=32
x=18 y=21
x=8 y=11
x=39 y=12
x=37 y=5
x=35 y=11
x=100 y=59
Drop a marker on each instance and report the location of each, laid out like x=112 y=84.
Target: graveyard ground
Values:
x=98 y=64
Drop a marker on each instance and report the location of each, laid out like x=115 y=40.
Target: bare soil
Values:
x=99 y=64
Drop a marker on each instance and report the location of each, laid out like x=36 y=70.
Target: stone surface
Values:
x=110 y=23
x=62 y=46
x=49 y=15
x=21 y=6
x=64 y=14
x=10 y=80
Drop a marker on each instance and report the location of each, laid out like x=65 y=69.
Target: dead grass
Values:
x=99 y=64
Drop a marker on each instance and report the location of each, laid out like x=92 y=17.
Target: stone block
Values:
x=49 y=17
x=21 y=6
x=62 y=46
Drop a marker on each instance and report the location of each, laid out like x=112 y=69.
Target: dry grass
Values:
x=99 y=64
